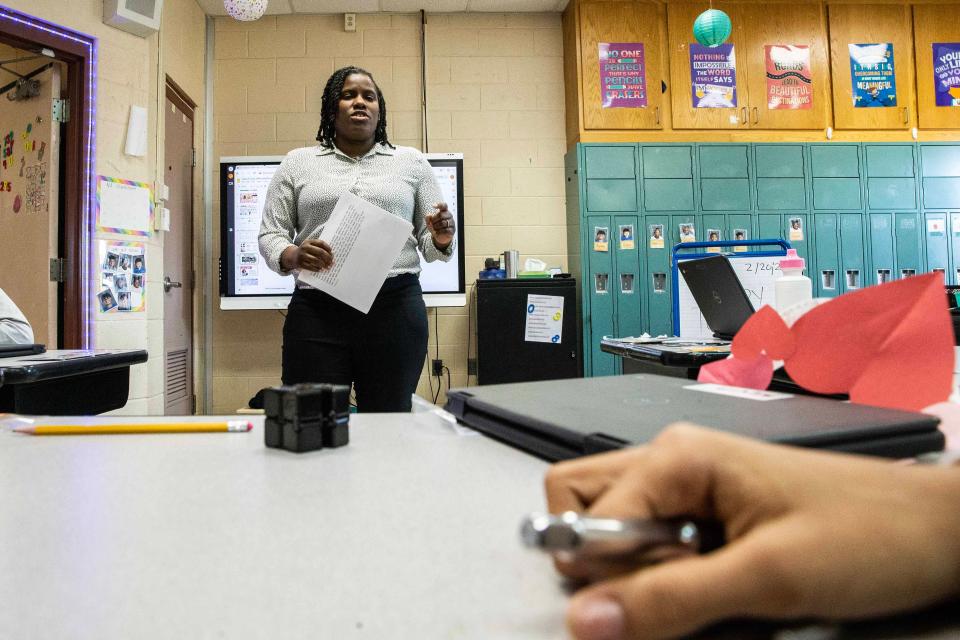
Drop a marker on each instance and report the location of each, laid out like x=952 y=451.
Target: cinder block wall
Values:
x=494 y=92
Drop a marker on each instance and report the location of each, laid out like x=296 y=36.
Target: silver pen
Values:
x=574 y=535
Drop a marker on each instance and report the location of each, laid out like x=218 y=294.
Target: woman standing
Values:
x=324 y=340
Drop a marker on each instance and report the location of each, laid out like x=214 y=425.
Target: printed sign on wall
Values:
x=946 y=73
x=872 y=75
x=789 y=79
x=713 y=74
x=623 y=71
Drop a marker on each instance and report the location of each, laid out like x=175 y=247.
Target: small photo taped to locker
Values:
x=656 y=236
x=626 y=236
x=601 y=239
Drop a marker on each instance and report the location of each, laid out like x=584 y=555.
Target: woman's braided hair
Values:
x=331 y=103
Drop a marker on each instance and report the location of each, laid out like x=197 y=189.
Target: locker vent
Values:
x=176 y=375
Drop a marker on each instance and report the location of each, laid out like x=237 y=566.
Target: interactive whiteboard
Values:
x=247 y=283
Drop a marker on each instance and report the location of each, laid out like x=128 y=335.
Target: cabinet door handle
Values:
x=756 y=116
x=657 y=112
x=906 y=115
x=743 y=115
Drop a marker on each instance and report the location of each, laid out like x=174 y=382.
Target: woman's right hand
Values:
x=311 y=255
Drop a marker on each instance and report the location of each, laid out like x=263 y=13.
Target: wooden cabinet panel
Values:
x=619 y=22
x=680 y=19
x=870 y=23
x=933 y=23
x=791 y=24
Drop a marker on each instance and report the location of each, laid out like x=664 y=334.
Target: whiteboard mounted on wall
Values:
x=756 y=268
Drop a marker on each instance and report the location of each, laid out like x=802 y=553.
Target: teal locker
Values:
x=852 y=257
x=935 y=237
x=769 y=225
x=610 y=172
x=826 y=241
x=891 y=176
x=780 y=182
x=740 y=221
x=909 y=244
x=658 y=276
x=599 y=287
x=954 y=276
x=940 y=166
x=724 y=177
x=626 y=287
x=883 y=265
x=681 y=222
x=835 y=171
x=668 y=178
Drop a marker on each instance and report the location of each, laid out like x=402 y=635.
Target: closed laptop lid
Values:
x=559 y=419
x=14 y=350
x=719 y=294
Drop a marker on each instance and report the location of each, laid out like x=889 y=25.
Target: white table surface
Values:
x=411 y=531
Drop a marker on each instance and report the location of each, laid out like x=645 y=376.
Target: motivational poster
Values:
x=872 y=75
x=789 y=79
x=623 y=75
x=713 y=74
x=946 y=73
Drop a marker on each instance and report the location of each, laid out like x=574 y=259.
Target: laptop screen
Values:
x=719 y=294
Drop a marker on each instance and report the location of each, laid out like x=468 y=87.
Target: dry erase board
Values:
x=756 y=274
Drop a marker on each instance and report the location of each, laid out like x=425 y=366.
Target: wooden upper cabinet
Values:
x=868 y=24
x=787 y=24
x=931 y=24
x=620 y=22
x=680 y=17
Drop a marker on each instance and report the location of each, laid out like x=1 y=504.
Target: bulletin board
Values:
x=124 y=206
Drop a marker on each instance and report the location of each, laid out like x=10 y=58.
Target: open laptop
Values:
x=561 y=419
x=719 y=294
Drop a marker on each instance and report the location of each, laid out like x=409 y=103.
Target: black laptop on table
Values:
x=562 y=419
x=719 y=294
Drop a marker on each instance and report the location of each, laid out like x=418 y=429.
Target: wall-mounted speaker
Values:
x=140 y=17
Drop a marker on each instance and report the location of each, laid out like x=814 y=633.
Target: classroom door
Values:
x=178 y=258
x=29 y=224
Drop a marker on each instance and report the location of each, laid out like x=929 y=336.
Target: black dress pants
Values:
x=381 y=352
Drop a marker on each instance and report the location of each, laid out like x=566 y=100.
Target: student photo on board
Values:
x=600 y=239
x=106 y=299
x=124 y=301
x=656 y=236
x=138 y=266
x=111 y=261
x=626 y=236
x=120 y=282
x=137 y=281
x=796 y=229
x=687 y=233
x=124 y=262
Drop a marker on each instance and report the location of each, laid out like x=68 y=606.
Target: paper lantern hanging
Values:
x=712 y=28
x=245 y=10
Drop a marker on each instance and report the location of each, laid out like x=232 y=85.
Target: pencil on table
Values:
x=166 y=427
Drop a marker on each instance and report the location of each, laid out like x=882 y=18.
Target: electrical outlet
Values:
x=349 y=22
x=437 y=366
x=471 y=366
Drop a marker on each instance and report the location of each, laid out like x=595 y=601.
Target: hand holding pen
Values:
x=809 y=534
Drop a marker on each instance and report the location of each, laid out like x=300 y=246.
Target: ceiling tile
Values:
x=212 y=7
x=335 y=6
x=278 y=7
x=409 y=6
x=508 y=6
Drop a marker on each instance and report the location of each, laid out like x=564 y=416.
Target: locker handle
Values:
x=657 y=113
x=743 y=115
x=906 y=115
x=756 y=115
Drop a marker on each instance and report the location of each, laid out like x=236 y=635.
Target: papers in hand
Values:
x=366 y=241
